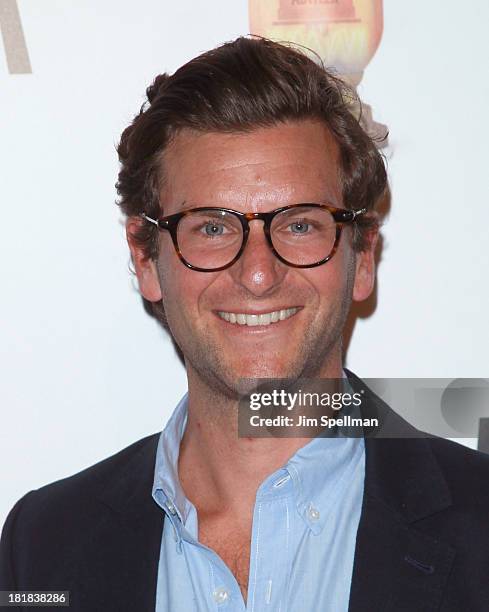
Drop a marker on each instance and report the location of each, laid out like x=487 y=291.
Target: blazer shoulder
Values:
x=73 y=494
x=49 y=526
x=465 y=470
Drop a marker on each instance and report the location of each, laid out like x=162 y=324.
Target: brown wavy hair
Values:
x=241 y=85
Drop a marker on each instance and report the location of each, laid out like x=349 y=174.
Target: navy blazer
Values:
x=422 y=542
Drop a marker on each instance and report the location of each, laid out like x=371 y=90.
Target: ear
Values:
x=146 y=272
x=365 y=268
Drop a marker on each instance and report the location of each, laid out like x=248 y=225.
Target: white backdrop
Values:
x=84 y=371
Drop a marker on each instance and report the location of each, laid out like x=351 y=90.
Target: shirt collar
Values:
x=320 y=472
x=317 y=474
x=167 y=490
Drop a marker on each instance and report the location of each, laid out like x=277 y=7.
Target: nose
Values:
x=258 y=270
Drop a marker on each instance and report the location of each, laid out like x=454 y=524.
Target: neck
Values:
x=217 y=468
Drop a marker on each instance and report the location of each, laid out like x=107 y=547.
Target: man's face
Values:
x=255 y=172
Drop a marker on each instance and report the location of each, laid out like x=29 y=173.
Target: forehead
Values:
x=286 y=163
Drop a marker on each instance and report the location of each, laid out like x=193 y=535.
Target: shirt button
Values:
x=313 y=513
x=220 y=595
x=170 y=507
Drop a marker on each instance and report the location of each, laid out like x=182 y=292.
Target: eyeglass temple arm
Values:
x=145 y=216
x=357 y=213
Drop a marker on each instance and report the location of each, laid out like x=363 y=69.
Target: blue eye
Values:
x=299 y=227
x=213 y=229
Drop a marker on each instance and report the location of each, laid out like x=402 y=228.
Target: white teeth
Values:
x=253 y=319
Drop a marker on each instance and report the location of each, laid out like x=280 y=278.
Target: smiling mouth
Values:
x=253 y=320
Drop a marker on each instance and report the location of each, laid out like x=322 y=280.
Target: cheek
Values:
x=177 y=289
x=333 y=282
x=182 y=291
x=171 y=271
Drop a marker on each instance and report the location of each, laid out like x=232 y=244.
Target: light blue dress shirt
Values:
x=305 y=523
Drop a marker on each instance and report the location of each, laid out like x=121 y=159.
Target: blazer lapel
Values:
x=119 y=564
x=397 y=567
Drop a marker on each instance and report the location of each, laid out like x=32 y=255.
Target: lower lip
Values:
x=257 y=329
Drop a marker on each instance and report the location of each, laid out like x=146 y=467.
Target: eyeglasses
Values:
x=209 y=239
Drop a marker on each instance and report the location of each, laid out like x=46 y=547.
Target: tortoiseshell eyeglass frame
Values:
x=340 y=216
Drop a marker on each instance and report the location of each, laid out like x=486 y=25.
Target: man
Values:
x=250 y=192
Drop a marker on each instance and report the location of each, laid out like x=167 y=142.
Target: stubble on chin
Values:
x=234 y=379
x=231 y=379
